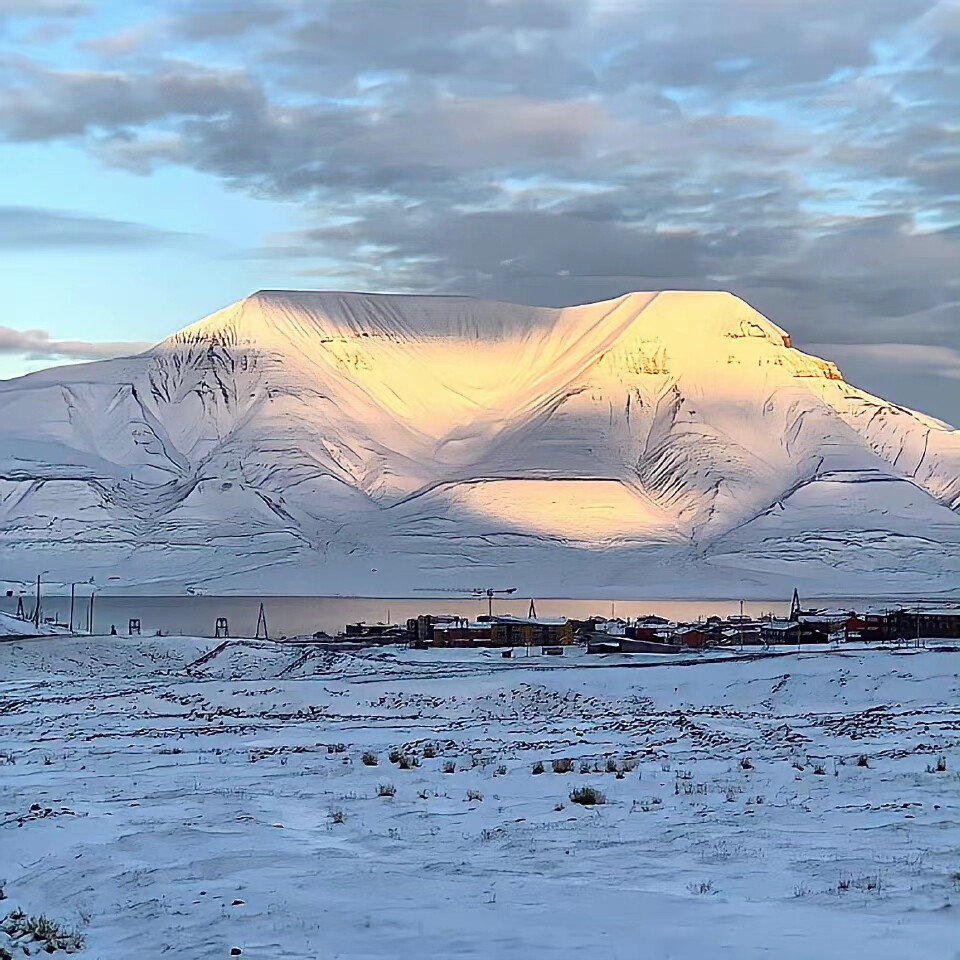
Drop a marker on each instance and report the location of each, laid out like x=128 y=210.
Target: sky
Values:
x=160 y=159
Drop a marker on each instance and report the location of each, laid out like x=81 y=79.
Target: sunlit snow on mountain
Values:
x=667 y=444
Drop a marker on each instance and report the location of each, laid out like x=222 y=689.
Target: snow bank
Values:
x=183 y=796
x=13 y=627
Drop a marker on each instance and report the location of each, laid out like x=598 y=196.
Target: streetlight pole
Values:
x=36 y=609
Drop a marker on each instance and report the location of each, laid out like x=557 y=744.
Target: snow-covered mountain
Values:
x=663 y=444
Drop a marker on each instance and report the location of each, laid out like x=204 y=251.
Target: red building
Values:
x=694 y=639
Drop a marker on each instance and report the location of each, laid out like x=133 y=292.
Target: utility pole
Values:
x=795 y=605
x=36 y=611
x=73 y=588
x=262 y=623
x=741 y=626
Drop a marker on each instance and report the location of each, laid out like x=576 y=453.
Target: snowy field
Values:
x=179 y=797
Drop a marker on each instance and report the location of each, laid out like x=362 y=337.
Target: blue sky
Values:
x=160 y=160
x=87 y=290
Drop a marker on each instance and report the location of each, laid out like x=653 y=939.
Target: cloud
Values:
x=33 y=228
x=37 y=345
x=40 y=21
x=190 y=23
x=212 y=21
x=123 y=42
x=531 y=48
x=43 y=8
x=801 y=153
x=872 y=279
x=751 y=45
x=939 y=361
x=900 y=372
x=39 y=103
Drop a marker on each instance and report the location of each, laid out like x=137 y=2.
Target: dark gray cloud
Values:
x=39 y=21
x=37 y=345
x=752 y=45
x=900 y=371
x=43 y=8
x=26 y=228
x=39 y=103
x=802 y=153
x=866 y=280
x=863 y=281
x=231 y=18
x=471 y=46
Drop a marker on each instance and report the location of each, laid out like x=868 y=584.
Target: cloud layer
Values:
x=37 y=345
x=29 y=228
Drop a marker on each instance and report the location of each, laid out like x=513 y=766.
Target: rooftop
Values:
x=536 y=621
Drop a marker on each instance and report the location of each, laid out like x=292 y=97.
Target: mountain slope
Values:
x=669 y=443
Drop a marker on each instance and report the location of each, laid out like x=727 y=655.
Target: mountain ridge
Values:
x=367 y=439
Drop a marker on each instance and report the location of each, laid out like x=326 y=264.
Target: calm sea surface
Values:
x=291 y=616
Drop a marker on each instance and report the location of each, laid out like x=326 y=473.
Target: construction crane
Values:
x=488 y=592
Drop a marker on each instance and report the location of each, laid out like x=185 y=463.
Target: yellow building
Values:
x=531 y=631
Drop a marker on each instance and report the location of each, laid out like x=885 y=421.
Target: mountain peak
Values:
x=655 y=438
x=268 y=314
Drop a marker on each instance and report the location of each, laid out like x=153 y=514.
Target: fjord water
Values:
x=293 y=616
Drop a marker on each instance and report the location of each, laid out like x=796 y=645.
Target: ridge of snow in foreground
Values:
x=184 y=797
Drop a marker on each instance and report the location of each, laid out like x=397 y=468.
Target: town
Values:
x=654 y=634
x=881 y=622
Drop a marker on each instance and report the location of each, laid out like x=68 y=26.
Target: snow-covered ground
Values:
x=175 y=796
x=11 y=626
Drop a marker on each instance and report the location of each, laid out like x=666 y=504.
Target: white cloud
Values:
x=38 y=345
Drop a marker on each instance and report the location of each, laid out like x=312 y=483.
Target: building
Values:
x=601 y=643
x=429 y=630
x=375 y=632
x=530 y=631
x=793 y=631
x=420 y=630
x=746 y=632
x=852 y=627
x=463 y=634
x=615 y=627
x=650 y=620
x=874 y=627
x=641 y=632
x=807 y=626
x=693 y=638
x=438 y=631
x=910 y=624
x=841 y=625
